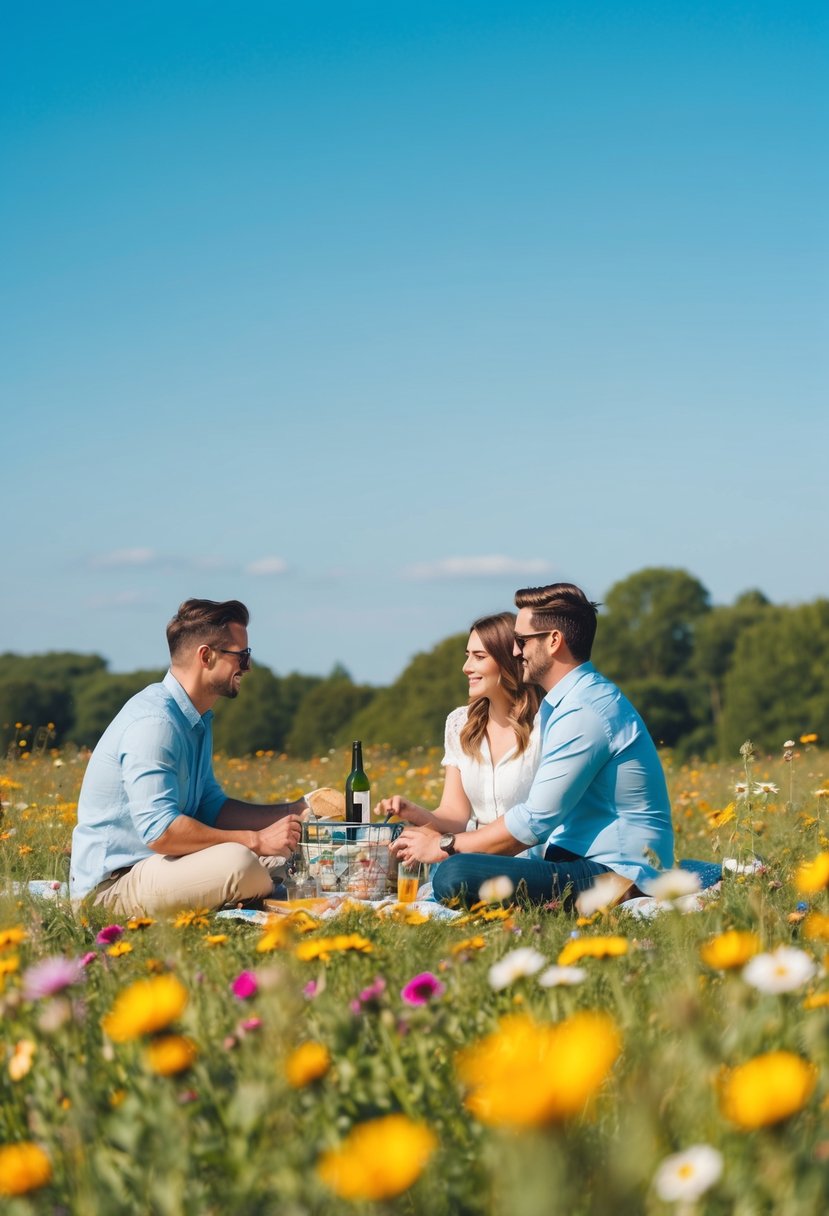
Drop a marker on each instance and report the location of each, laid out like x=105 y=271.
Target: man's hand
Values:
x=279 y=839
x=418 y=844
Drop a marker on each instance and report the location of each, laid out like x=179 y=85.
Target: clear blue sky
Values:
x=369 y=313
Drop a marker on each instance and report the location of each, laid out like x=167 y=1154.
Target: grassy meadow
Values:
x=512 y=1061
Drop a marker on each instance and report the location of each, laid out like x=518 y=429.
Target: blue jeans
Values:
x=561 y=875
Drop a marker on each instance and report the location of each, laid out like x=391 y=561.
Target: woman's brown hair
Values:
x=496 y=634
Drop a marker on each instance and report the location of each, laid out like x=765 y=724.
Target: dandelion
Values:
x=557 y=977
x=324 y=947
x=813 y=876
x=422 y=989
x=781 y=970
x=767 y=1089
x=21 y=1060
x=729 y=950
x=527 y=1074
x=245 y=985
x=145 y=1007
x=12 y=937
x=307 y=1063
x=685 y=1177
x=119 y=949
x=50 y=976
x=379 y=1159
x=109 y=934
x=515 y=966
x=170 y=1054
x=23 y=1167
x=496 y=890
x=592 y=947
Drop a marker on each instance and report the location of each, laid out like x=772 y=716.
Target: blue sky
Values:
x=369 y=313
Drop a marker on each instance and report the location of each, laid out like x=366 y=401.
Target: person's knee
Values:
x=450 y=879
x=244 y=875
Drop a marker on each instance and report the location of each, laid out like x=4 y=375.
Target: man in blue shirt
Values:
x=599 y=799
x=155 y=830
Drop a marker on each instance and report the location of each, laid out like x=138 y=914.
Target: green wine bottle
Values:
x=357 y=789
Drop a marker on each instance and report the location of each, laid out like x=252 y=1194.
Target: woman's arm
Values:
x=452 y=815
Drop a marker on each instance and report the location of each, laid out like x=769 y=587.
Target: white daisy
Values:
x=514 y=966
x=782 y=970
x=673 y=884
x=604 y=892
x=741 y=789
x=556 y=977
x=496 y=890
x=765 y=787
x=789 y=744
x=685 y=1176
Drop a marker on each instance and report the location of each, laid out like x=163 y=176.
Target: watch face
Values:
x=447 y=842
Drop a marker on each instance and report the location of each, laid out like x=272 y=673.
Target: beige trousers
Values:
x=222 y=874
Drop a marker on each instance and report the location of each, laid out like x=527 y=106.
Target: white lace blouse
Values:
x=491 y=789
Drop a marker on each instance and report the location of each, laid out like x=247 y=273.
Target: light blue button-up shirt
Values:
x=152 y=763
x=599 y=790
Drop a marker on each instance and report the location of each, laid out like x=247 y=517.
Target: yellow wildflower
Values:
x=12 y=937
x=170 y=1054
x=216 y=939
x=818 y=1000
x=276 y=936
x=816 y=927
x=767 y=1089
x=324 y=947
x=145 y=1007
x=810 y=738
x=23 y=1167
x=730 y=949
x=192 y=917
x=21 y=1061
x=592 y=947
x=378 y=1159
x=119 y=948
x=468 y=943
x=9 y=964
x=140 y=922
x=813 y=875
x=307 y=1063
x=718 y=819
x=527 y=1073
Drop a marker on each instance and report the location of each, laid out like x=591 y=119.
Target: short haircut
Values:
x=204 y=623
x=564 y=607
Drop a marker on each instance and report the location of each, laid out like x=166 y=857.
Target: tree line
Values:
x=704 y=678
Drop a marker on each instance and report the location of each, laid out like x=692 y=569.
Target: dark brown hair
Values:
x=496 y=633
x=564 y=607
x=204 y=623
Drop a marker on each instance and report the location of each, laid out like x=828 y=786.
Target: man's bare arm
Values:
x=186 y=835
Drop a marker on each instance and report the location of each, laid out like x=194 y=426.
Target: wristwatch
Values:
x=447 y=842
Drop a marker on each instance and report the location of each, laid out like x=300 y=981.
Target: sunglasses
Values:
x=242 y=655
x=521 y=639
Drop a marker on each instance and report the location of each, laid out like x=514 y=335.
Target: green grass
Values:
x=231 y=1135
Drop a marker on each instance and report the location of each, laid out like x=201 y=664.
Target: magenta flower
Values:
x=422 y=988
x=109 y=934
x=312 y=989
x=248 y=1025
x=88 y=958
x=50 y=976
x=245 y=985
x=374 y=991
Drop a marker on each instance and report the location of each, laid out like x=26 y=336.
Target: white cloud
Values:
x=267 y=565
x=493 y=566
x=125 y=557
x=122 y=599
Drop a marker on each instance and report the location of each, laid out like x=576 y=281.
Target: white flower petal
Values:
x=514 y=966
x=688 y=1175
x=782 y=970
x=556 y=977
x=496 y=890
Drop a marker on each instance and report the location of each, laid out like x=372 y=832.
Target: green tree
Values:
x=776 y=687
x=324 y=717
x=260 y=717
x=33 y=703
x=715 y=640
x=99 y=697
x=412 y=711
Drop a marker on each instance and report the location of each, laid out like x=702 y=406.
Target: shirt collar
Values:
x=559 y=691
x=183 y=701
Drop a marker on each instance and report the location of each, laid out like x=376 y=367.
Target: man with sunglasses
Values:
x=598 y=802
x=155 y=830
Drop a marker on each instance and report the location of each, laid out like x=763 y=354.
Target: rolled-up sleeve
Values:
x=151 y=777
x=575 y=746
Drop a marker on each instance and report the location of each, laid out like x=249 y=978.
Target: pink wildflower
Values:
x=50 y=976
x=109 y=934
x=88 y=958
x=422 y=988
x=245 y=985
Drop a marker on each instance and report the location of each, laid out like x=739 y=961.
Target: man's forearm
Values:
x=186 y=835
x=494 y=838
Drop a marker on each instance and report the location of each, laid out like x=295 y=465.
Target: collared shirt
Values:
x=152 y=763
x=599 y=791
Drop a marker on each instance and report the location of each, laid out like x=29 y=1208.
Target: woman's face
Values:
x=480 y=669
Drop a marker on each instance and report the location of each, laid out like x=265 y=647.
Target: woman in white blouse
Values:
x=491 y=744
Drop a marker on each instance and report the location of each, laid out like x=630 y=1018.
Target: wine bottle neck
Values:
x=356 y=756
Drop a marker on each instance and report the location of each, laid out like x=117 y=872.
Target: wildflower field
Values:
x=512 y=1060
